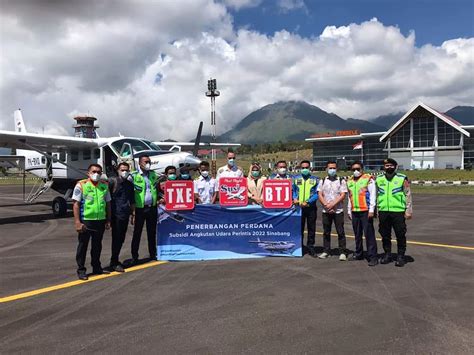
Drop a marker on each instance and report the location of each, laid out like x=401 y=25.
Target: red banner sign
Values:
x=233 y=191
x=179 y=195
x=277 y=194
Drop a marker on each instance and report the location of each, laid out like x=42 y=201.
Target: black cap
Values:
x=390 y=161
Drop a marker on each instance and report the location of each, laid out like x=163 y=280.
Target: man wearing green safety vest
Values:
x=395 y=206
x=305 y=194
x=145 y=183
x=91 y=217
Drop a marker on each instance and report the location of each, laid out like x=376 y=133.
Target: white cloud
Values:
x=291 y=5
x=142 y=70
x=241 y=4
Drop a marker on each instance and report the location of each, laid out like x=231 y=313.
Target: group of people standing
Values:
x=132 y=198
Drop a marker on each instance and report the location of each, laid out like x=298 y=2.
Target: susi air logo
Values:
x=233 y=192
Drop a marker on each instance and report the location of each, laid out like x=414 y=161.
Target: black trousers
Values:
x=308 y=217
x=363 y=225
x=149 y=216
x=338 y=219
x=119 y=231
x=94 y=232
x=395 y=220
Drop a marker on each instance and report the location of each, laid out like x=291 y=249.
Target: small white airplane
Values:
x=61 y=160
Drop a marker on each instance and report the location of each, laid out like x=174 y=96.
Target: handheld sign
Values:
x=277 y=194
x=179 y=195
x=233 y=191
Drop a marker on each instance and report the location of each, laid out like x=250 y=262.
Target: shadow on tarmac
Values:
x=37 y=218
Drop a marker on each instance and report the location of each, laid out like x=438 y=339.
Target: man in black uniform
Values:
x=123 y=206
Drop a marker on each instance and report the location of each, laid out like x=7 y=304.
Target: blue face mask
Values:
x=255 y=173
x=172 y=177
x=185 y=176
x=305 y=171
x=332 y=172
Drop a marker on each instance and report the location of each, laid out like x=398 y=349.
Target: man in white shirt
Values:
x=332 y=191
x=231 y=169
x=205 y=186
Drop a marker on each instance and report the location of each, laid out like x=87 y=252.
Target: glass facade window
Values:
x=469 y=150
x=423 y=132
x=447 y=135
x=401 y=138
x=342 y=151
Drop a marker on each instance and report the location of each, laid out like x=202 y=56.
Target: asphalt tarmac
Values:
x=272 y=305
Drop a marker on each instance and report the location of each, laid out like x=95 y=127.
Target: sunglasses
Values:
x=355 y=169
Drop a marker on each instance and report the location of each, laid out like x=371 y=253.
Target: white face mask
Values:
x=205 y=173
x=357 y=173
x=147 y=167
x=282 y=171
x=125 y=174
x=332 y=172
x=231 y=161
x=95 y=177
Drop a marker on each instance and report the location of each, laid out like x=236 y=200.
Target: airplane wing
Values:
x=20 y=140
x=201 y=144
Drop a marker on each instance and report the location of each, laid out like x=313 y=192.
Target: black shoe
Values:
x=400 y=261
x=152 y=258
x=100 y=272
x=387 y=258
x=355 y=257
x=373 y=261
x=118 y=268
x=82 y=276
x=134 y=262
x=312 y=251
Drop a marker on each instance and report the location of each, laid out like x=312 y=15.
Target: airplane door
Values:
x=109 y=160
x=126 y=156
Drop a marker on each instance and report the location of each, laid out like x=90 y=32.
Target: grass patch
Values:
x=443 y=190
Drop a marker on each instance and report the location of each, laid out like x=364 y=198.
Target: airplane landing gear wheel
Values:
x=59 y=207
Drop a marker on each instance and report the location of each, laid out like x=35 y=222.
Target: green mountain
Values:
x=462 y=114
x=289 y=121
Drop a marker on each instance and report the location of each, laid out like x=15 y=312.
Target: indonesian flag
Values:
x=358 y=145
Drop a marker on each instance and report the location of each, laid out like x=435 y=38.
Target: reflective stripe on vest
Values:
x=304 y=188
x=139 y=185
x=93 y=205
x=359 y=193
x=390 y=194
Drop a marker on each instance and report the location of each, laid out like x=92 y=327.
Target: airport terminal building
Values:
x=422 y=139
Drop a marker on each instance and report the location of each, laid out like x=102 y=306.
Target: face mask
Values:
x=255 y=173
x=172 y=177
x=95 y=177
x=357 y=173
x=205 y=173
x=125 y=174
x=390 y=171
x=147 y=167
x=282 y=171
x=185 y=176
x=305 y=171
x=332 y=172
x=231 y=162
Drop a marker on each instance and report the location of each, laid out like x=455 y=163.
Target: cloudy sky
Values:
x=141 y=66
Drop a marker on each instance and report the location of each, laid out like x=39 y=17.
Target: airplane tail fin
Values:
x=19 y=123
x=198 y=140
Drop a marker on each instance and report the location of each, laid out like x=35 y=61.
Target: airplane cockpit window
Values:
x=43 y=159
x=62 y=156
x=96 y=153
x=152 y=145
x=137 y=145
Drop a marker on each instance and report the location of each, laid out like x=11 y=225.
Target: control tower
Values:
x=84 y=127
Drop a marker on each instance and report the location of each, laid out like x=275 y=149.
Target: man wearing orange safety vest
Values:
x=360 y=209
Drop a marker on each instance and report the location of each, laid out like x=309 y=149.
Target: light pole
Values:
x=212 y=92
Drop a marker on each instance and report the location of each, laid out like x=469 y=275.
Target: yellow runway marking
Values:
x=77 y=282
x=416 y=243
